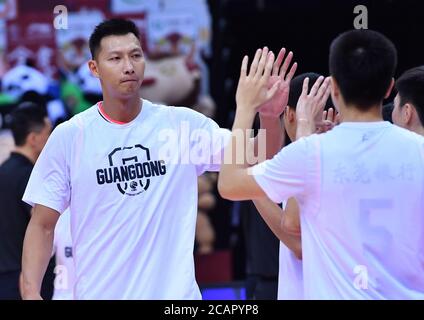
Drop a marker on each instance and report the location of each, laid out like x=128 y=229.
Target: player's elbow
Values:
x=297 y=250
x=226 y=189
x=290 y=226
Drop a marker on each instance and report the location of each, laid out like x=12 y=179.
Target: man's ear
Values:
x=92 y=65
x=389 y=90
x=407 y=111
x=334 y=87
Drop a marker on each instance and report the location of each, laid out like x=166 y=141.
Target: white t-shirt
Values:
x=64 y=270
x=290 y=274
x=360 y=188
x=132 y=193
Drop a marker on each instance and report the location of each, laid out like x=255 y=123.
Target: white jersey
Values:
x=64 y=270
x=290 y=274
x=360 y=188
x=132 y=193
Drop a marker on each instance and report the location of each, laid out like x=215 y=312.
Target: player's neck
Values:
x=352 y=114
x=27 y=153
x=418 y=129
x=122 y=110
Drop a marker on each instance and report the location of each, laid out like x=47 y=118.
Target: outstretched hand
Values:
x=275 y=106
x=329 y=120
x=310 y=106
x=253 y=89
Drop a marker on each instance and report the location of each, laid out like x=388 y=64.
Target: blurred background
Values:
x=193 y=50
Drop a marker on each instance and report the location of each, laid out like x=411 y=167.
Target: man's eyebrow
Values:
x=121 y=51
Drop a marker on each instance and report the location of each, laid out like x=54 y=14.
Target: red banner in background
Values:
x=32 y=37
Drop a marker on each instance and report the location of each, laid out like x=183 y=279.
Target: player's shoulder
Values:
x=404 y=138
x=78 y=121
x=68 y=130
x=175 y=114
x=407 y=135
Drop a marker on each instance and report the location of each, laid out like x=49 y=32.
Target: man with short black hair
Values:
x=30 y=128
x=408 y=111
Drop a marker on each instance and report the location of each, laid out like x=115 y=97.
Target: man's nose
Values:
x=128 y=66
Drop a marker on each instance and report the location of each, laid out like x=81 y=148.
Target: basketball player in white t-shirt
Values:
x=359 y=186
x=127 y=169
x=285 y=221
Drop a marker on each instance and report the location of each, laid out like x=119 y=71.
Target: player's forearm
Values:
x=236 y=151
x=272 y=214
x=271 y=134
x=231 y=183
x=37 y=251
x=291 y=219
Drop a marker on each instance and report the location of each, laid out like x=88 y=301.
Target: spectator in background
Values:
x=30 y=128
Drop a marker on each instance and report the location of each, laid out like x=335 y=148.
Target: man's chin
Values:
x=129 y=94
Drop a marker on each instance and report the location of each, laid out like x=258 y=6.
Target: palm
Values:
x=276 y=105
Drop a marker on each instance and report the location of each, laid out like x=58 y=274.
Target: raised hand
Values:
x=311 y=106
x=329 y=120
x=276 y=106
x=253 y=89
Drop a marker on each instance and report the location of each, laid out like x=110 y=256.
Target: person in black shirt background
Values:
x=30 y=128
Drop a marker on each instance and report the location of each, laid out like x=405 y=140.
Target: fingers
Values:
x=325 y=95
x=268 y=68
x=262 y=62
x=322 y=91
x=316 y=86
x=305 y=87
x=324 y=126
x=244 y=63
x=291 y=72
x=286 y=64
x=324 y=115
x=277 y=64
x=255 y=63
x=330 y=116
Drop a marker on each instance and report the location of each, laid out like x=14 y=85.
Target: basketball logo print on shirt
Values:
x=131 y=169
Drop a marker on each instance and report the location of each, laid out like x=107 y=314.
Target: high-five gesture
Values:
x=277 y=104
x=253 y=90
x=310 y=106
x=329 y=119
